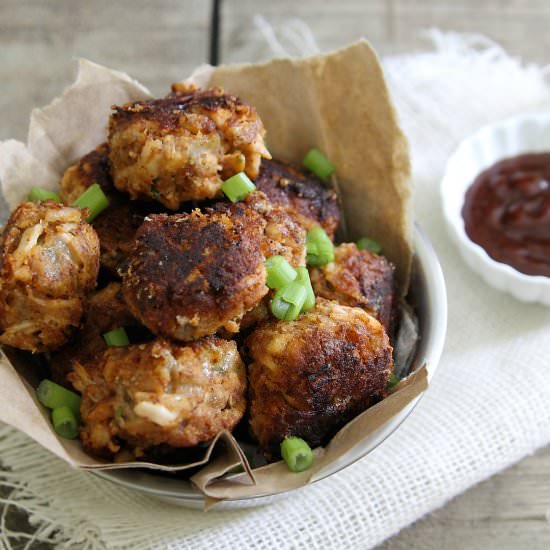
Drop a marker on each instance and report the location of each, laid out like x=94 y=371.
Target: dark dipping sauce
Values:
x=507 y=212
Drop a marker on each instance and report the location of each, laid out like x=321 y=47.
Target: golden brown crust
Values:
x=311 y=376
x=182 y=147
x=191 y=275
x=116 y=226
x=49 y=262
x=93 y=167
x=359 y=278
x=283 y=236
x=304 y=197
x=105 y=311
x=160 y=393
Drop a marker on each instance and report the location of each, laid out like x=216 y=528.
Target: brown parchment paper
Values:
x=338 y=103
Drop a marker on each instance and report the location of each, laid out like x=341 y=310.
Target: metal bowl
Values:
x=429 y=298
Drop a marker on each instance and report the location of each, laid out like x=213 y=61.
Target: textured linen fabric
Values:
x=488 y=406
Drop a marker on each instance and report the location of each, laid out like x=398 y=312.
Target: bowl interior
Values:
x=427 y=295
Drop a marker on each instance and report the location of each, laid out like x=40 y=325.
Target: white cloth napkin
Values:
x=488 y=407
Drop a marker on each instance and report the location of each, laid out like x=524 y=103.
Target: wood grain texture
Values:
x=160 y=42
x=509 y=511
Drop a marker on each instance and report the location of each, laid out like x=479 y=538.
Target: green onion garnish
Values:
x=303 y=279
x=369 y=244
x=279 y=272
x=297 y=454
x=37 y=194
x=392 y=382
x=237 y=187
x=94 y=199
x=65 y=422
x=317 y=163
x=288 y=301
x=320 y=250
x=54 y=396
x=116 y=338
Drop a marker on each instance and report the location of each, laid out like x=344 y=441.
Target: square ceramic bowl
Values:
x=428 y=297
x=509 y=138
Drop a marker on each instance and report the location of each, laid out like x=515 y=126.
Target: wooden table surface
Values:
x=158 y=42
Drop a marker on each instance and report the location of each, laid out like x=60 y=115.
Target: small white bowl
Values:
x=509 y=138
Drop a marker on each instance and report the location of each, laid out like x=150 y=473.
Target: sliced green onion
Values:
x=280 y=308
x=288 y=301
x=37 y=194
x=54 y=396
x=294 y=294
x=237 y=187
x=317 y=163
x=279 y=272
x=392 y=382
x=303 y=279
x=297 y=454
x=94 y=200
x=65 y=422
x=319 y=247
x=116 y=338
x=369 y=244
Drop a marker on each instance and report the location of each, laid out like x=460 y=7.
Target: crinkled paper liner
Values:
x=338 y=103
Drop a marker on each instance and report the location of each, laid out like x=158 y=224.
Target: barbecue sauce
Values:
x=507 y=212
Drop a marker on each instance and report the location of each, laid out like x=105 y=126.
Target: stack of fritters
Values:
x=189 y=285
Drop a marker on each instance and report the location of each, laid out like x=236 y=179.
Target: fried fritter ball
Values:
x=116 y=226
x=49 y=258
x=282 y=235
x=191 y=275
x=359 y=278
x=93 y=167
x=182 y=147
x=160 y=393
x=305 y=198
x=105 y=310
x=310 y=376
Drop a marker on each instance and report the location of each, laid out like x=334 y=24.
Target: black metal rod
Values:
x=215 y=32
